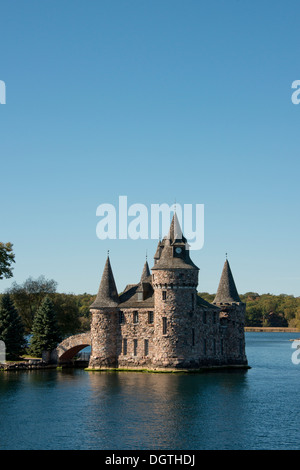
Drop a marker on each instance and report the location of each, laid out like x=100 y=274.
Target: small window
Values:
x=150 y=317
x=164 y=320
x=204 y=317
x=204 y=347
x=222 y=347
x=135 y=317
x=121 y=317
x=193 y=336
x=140 y=296
x=214 y=346
x=135 y=347
x=146 y=347
x=164 y=295
x=125 y=346
x=215 y=318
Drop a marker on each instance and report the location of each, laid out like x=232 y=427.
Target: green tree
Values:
x=45 y=333
x=11 y=328
x=67 y=313
x=7 y=257
x=29 y=295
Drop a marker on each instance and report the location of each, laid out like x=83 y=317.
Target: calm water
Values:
x=254 y=409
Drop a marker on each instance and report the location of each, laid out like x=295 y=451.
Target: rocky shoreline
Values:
x=26 y=365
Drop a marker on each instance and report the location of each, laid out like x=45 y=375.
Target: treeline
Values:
x=267 y=310
x=72 y=311
x=34 y=317
x=32 y=307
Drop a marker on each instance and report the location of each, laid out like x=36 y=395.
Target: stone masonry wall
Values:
x=175 y=310
x=104 y=338
x=176 y=334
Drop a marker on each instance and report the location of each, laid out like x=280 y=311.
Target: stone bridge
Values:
x=69 y=347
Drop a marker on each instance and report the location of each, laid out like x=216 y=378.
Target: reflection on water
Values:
x=76 y=409
x=165 y=410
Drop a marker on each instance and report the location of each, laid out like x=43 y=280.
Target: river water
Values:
x=75 y=409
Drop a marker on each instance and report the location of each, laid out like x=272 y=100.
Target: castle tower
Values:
x=146 y=272
x=232 y=318
x=104 y=322
x=174 y=280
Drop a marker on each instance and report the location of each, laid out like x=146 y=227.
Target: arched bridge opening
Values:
x=70 y=347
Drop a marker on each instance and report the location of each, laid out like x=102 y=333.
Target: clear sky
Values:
x=157 y=100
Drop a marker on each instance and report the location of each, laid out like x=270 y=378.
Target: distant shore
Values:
x=271 y=329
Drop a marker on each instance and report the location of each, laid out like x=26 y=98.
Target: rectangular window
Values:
x=204 y=347
x=193 y=336
x=215 y=318
x=125 y=346
x=214 y=346
x=135 y=317
x=164 y=295
x=146 y=347
x=204 y=317
x=164 y=320
x=222 y=347
x=140 y=296
x=121 y=317
x=150 y=317
x=135 y=347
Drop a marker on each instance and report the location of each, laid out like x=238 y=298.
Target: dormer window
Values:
x=140 y=296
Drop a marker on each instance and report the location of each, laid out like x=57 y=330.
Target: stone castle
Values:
x=161 y=323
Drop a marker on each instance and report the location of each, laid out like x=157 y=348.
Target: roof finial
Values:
x=226 y=255
x=107 y=252
x=146 y=255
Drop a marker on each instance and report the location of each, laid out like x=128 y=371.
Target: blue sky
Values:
x=155 y=100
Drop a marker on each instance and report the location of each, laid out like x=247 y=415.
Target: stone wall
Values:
x=178 y=334
x=104 y=338
x=138 y=332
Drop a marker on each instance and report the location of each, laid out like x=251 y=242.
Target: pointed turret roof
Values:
x=107 y=294
x=166 y=256
x=227 y=292
x=175 y=232
x=146 y=272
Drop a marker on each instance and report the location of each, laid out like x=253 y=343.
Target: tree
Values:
x=45 y=334
x=67 y=314
x=29 y=295
x=7 y=257
x=11 y=328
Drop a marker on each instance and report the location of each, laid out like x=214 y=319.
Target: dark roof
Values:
x=203 y=303
x=227 y=292
x=175 y=232
x=146 y=271
x=130 y=299
x=107 y=294
x=164 y=255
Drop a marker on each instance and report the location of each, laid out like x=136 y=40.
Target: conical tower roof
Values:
x=227 y=292
x=107 y=294
x=175 y=232
x=173 y=251
x=146 y=272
